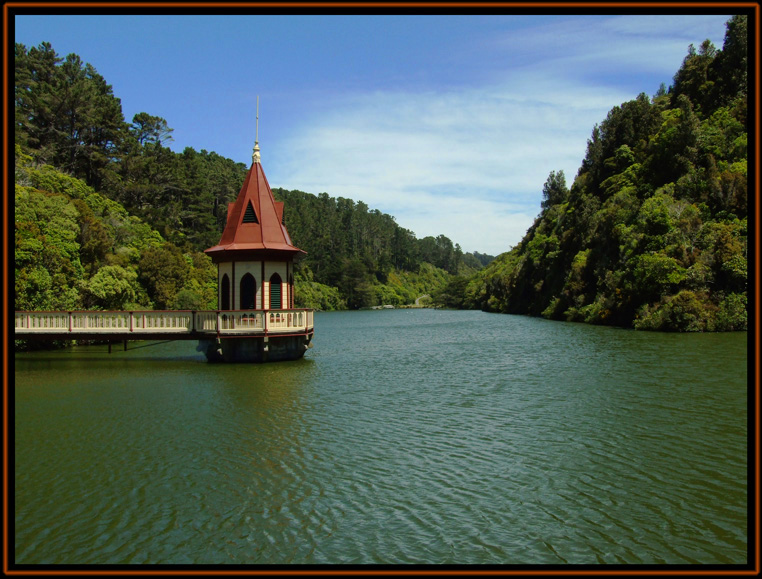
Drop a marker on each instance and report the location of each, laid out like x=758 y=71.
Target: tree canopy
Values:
x=652 y=233
x=109 y=217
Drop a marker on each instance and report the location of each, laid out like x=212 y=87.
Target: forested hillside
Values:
x=365 y=254
x=652 y=233
x=78 y=249
x=107 y=216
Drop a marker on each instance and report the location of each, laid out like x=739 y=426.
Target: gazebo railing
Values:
x=191 y=322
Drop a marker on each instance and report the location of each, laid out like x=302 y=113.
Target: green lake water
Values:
x=402 y=437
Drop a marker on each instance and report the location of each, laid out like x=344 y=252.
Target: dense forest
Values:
x=652 y=233
x=107 y=216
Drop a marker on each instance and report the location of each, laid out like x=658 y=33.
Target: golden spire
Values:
x=255 y=155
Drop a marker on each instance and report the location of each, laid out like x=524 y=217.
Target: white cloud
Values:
x=470 y=163
x=663 y=27
x=629 y=43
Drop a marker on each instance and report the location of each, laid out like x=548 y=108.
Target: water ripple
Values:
x=462 y=437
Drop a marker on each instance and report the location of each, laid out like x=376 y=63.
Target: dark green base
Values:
x=264 y=349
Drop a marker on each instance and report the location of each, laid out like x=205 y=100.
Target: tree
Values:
x=355 y=284
x=695 y=78
x=673 y=148
x=35 y=113
x=731 y=65
x=132 y=193
x=66 y=111
x=111 y=288
x=555 y=191
x=653 y=232
x=163 y=270
x=150 y=129
x=47 y=260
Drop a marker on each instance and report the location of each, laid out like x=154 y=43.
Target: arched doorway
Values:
x=248 y=292
x=225 y=293
x=275 y=292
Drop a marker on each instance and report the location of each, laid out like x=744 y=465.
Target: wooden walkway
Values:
x=169 y=325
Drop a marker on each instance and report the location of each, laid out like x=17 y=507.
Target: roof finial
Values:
x=255 y=155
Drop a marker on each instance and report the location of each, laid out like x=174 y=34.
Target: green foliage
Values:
x=67 y=112
x=314 y=295
x=125 y=263
x=653 y=232
x=408 y=286
x=732 y=314
x=136 y=206
x=364 y=253
x=452 y=294
x=200 y=289
x=110 y=288
x=555 y=191
x=47 y=262
x=47 y=178
x=163 y=271
x=686 y=311
x=190 y=299
x=150 y=129
x=655 y=273
x=76 y=249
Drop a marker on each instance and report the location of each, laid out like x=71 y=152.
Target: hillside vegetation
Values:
x=652 y=233
x=107 y=216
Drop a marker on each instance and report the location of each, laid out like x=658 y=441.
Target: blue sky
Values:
x=449 y=123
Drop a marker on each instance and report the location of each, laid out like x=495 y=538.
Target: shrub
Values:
x=731 y=314
x=684 y=312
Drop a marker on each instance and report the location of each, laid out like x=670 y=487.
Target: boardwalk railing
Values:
x=177 y=323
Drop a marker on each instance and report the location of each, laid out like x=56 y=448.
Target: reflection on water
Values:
x=403 y=436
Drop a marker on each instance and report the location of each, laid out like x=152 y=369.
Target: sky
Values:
x=449 y=123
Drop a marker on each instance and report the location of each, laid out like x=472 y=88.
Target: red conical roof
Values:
x=255 y=220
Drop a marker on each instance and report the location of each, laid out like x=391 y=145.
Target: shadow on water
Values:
x=165 y=362
x=182 y=351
